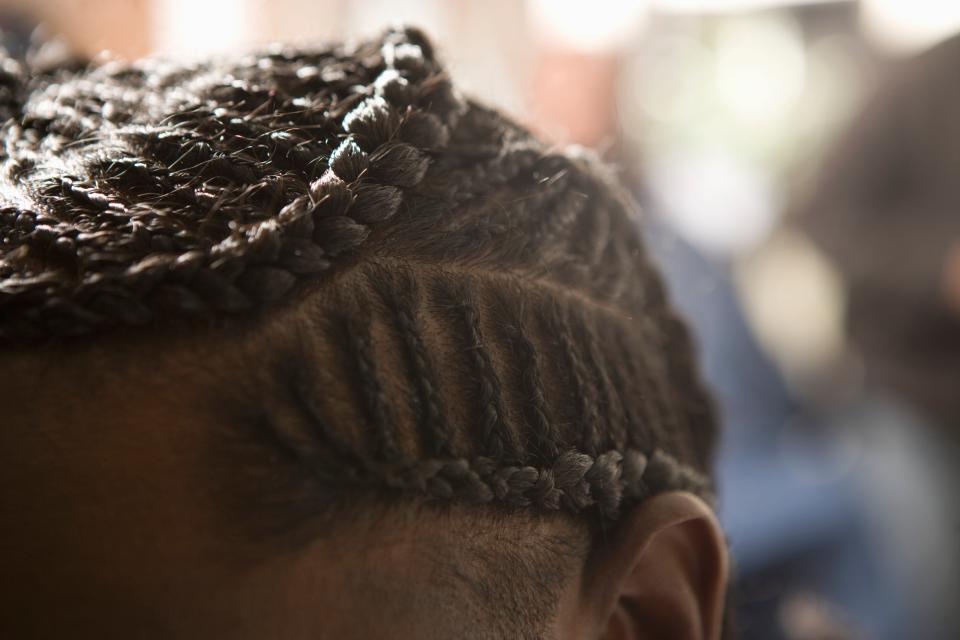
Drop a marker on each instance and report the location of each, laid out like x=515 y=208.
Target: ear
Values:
x=663 y=575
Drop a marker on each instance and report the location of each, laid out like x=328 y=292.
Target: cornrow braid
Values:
x=495 y=435
x=609 y=399
x=432 y=422
x=622 y=382
x=588 y=402
x=476 y=316
x=575 y=481
x=373 y=399
x=542 y=433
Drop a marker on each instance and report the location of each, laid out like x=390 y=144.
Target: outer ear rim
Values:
x=610 y=574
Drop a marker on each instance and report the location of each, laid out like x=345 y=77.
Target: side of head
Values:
x=305 y=344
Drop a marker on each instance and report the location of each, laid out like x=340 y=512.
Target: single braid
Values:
x=652 y=377
x=641 y=393
x=496 y=437
x=543 y=438
x=599 y=368
x=575 y=481
x=588 y=416
x=373 y=398
x=626 y=397
x=431 y=420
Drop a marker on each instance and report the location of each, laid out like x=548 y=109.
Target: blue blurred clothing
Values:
x=790 y=492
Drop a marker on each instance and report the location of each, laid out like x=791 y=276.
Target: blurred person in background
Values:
x=886 y=210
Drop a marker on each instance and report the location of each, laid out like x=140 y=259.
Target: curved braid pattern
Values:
x=59 y=255
x=575 y=481
x=492 y=326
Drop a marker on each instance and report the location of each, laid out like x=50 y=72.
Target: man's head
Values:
x=305 y=344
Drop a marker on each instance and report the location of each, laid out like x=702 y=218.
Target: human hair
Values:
x=458 y=313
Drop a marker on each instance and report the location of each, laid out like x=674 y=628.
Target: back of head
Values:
x=401 y=292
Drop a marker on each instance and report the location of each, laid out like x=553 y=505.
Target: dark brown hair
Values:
x=485 y=324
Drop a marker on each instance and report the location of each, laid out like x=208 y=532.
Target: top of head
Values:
x=487 y=307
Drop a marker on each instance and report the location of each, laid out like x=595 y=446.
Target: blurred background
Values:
x=797 y=164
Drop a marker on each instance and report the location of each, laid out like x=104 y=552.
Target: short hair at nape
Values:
x=490 y=315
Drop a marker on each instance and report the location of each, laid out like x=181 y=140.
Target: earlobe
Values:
x=663 y=575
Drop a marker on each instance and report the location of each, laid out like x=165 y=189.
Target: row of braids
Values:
x=221 y=206
x=498 y=332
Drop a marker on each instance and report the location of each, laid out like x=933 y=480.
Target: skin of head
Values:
x=113 y=525
x=307 y=345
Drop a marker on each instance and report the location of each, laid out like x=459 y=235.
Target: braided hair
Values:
x=488 y=314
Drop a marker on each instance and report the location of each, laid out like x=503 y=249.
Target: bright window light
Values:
x=598 y=25
x=716 y=200
x=760 y=67
x=725 y=6
x=908 y=26
x=187 y=28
